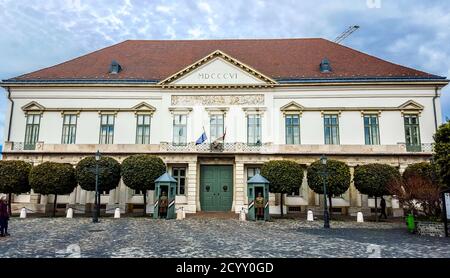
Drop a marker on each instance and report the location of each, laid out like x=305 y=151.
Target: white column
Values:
x=239 y=187
x=83 y=196
x=192 y=187
x=112 y=197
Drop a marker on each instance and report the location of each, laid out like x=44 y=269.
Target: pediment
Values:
x=33 y=106
x=411 y=105
x=143 y=107
x=217 y=70
x=292 y=107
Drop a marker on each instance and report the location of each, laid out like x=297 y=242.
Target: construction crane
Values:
x=346 y=33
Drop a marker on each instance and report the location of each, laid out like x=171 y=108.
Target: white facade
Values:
x=198 y=95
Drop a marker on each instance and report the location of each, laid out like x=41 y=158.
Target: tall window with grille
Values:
x=179 y=129
x=331 y=129
x=254 y=129
x=412 y=133
x=32 y=131
x=107 y=129
x=69 y=129
x=216 y=126
x=292 y=123
x=371 y=130
x=179 y=174
x=143 y=129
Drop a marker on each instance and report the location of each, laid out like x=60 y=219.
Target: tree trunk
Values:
x=54 y=205
x=330 y=208
x=9 y=204
x=376 y=209
x=145 y=203
x=281 y=205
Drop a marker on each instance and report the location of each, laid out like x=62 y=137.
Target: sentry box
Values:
x=258 y=198
x=165 y=191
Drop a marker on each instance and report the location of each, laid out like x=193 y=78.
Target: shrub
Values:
x=14 y=178
x=140 y=171
x=53 y=178
x=442 y=152
x=284 y=176
x=109 y=173
x=374 y=179
x=337 y=178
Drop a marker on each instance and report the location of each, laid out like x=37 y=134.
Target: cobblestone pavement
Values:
x=196 y=237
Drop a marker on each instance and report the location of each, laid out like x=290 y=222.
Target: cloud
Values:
x=37 y=34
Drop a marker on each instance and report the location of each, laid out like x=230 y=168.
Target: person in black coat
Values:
x=383 y=207
x=4 y=217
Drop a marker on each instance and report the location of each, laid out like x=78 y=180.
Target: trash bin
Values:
x=410 y=223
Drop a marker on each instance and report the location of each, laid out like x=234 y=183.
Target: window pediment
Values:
x=142 y=108
x=292 y=107
x=33 y=107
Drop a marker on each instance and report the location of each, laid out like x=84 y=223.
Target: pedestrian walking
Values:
x=383 y=207
x=4 y=218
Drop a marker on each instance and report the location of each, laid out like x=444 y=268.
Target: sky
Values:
x=37 y=34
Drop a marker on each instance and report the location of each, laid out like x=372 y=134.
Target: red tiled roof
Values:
x=276 y=58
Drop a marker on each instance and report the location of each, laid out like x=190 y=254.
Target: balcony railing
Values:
x=238 y=147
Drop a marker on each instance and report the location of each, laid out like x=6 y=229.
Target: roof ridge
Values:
x=225 y=39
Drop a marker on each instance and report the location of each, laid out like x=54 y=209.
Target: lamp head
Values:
x=97 y=155
x=323 y=160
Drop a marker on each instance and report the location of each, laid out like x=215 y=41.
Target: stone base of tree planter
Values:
x=425 y=228
x=31 y=208
x=398 y=212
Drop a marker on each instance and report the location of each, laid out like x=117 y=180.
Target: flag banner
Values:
x=201 y=139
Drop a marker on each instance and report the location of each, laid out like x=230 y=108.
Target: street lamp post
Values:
x=97 y=194
x=326 y=218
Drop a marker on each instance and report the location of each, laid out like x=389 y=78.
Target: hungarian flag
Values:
x=221 y=138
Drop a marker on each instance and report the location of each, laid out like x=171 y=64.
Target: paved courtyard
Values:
x=199 y=237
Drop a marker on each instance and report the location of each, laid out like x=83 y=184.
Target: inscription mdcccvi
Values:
x=218 y=75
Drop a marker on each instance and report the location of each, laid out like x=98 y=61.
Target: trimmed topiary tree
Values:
x=108 y=178
x=14 y=178
x=284 y=176
x=53 y=178
x=374 y=179
x=422 y=184
x=442 y=152
x=140 y=171
x=337 y=178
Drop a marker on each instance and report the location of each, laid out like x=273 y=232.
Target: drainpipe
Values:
x=434 y=108
x=11 y=113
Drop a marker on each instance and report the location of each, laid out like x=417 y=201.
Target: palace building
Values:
x=256 y=100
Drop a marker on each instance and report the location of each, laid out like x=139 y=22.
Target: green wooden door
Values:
x=216 y=187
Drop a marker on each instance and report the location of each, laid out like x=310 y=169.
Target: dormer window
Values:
x=325 y=66
x=115 y=67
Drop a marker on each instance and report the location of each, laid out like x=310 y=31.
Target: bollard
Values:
x=179 y=214
x=69 y=213
x=117 y=213
x=183 y=212
x=23 y=213
x=242 y=215
x=310 y=216
x=359 y=217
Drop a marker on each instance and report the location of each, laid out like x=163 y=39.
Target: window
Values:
x=331 y=129
x=179 y=129
x=32 y=131
x=216 y=126
x=371 y=130
x=143 y=129
x=292 y=123
x=412 y=133
x=179 y=173
x=106 y=129
x=252 y=171
x=254 y=130
x=69 y=129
